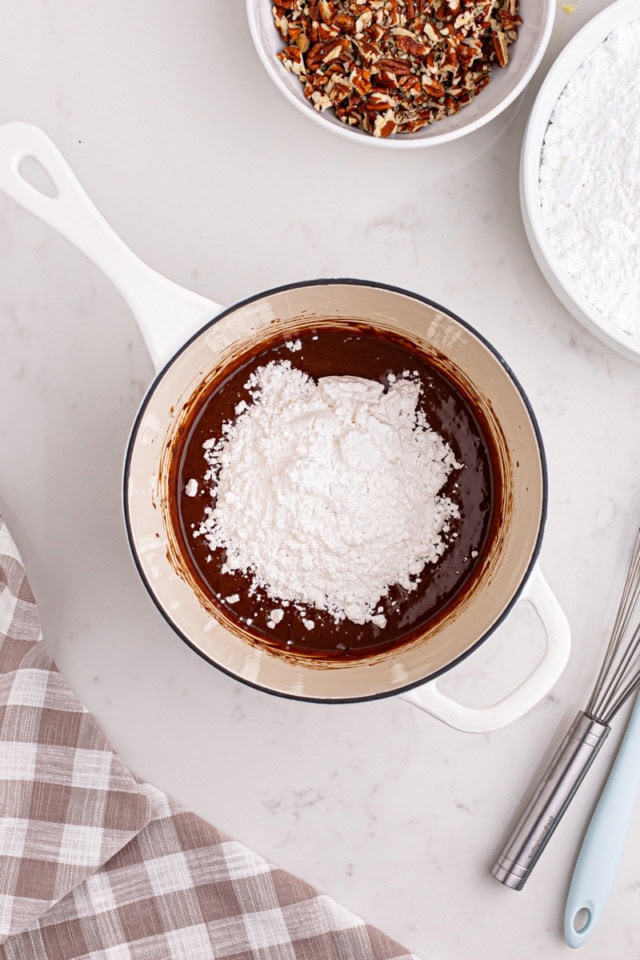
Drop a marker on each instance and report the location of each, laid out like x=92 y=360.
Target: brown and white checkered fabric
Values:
x=97 y=865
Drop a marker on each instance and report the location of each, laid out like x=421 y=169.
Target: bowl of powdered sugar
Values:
x=580 y=180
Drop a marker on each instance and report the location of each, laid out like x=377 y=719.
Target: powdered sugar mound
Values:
x=328 y=493
x=590 y=179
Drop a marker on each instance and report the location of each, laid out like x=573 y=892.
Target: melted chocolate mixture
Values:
x=359 y=352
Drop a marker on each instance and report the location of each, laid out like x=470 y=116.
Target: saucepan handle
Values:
x=538 y=593
x=167 y=313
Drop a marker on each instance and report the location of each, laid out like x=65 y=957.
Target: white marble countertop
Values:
x=167 y=117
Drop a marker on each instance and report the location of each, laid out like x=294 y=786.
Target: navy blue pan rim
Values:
x=344 y=281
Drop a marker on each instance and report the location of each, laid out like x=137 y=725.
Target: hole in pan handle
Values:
x=547 y=671
x=166 y=313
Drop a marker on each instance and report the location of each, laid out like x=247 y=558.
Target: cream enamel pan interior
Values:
x=434 y=331
x=190 y=339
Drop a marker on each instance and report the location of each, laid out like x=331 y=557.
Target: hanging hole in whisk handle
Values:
x=579 y=928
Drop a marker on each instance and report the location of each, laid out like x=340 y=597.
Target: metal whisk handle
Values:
x=548 y=803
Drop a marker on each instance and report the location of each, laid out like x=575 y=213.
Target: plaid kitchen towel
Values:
x=97 y=865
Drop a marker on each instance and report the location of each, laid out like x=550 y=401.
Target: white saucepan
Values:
x=190 y=338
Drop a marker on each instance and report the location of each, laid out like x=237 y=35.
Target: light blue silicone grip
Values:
x=604 y=841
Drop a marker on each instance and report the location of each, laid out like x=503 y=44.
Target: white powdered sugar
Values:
x=327 y=493
x=191 y=488
x=590 y=178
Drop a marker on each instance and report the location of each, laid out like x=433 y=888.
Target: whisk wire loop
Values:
x=620 y=672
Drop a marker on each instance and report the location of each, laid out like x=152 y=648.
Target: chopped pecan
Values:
x=384 y=125
x=413 y=46
x=433 y=88
x=327 y=10
x=500 y=47
x=361 y=80
x=393 y=66
x=324 y=53
x=291 y=57
x=338 y=90
x=326 y=32
x=344 y=22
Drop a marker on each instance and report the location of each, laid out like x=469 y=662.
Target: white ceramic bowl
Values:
x=573 y=55
x=505 y=85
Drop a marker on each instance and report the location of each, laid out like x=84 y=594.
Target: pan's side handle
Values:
x=167 y=313
x=531 y=690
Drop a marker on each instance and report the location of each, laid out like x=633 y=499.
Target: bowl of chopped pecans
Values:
x=401 y=73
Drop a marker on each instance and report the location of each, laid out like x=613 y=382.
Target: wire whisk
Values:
x=618 y=679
